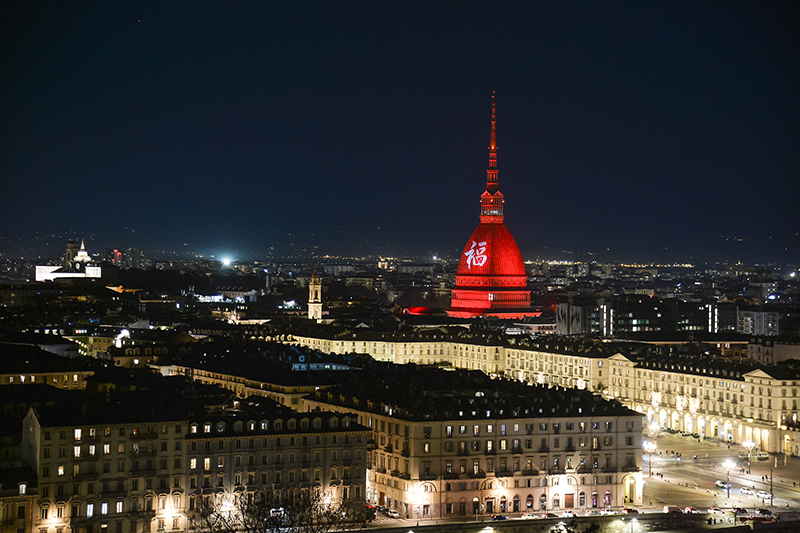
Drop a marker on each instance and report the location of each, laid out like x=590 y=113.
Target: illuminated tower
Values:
x=491 y=278
x=72 y=251
x=315 y=297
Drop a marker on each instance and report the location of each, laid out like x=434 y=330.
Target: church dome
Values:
x=491 y=258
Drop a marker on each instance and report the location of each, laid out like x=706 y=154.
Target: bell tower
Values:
x=315 y=297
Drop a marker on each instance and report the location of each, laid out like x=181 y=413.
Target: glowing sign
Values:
x=476 y=254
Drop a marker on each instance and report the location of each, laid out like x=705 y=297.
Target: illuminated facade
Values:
x=475 y=454
x=718 y=400
x=491 y=278
x=108 y=475
x=284 y=452
x=315 y=297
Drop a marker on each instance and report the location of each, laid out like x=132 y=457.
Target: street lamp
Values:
x=649 y=447
x=728 y=465
x=749 y=445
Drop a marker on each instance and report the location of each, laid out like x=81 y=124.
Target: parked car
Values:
x=722 y=485
x=690 y=510
x=529 y=516
x=392 y=513
x=608 y=511
x=592 y=512
x=629 y=510
x=762 y=456
x=568 y=514
x=764 y=513
x=747 y=490
x=672 y=509
x=714 y=510
x=738 y=511
x=499 y=517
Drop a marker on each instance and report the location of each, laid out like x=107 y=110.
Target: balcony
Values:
x=450 y=475
x=544 y=449
x=533 y=472
x=144 y=436
x=371 y=444
x=633 y=468
x=516 y=449
x=504 y=473
x=405 y=453
x=556 y=471
x=463 y=453
x=143 y=453
x=427 y=476
x=478 y=475
x=88 y=476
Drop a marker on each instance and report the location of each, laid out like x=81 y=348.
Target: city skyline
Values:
x=631 y=132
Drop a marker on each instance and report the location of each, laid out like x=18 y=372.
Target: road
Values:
x=686 y=481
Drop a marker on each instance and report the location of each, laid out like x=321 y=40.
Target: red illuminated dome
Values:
x=491 y=278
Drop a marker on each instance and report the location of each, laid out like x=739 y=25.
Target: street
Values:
x=679 y=479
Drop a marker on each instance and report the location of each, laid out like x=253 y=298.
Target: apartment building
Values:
x=260 y=445
x=107 y=468
x=472 y=445
x=758 y=403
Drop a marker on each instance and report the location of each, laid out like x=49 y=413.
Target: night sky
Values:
x=636 y=131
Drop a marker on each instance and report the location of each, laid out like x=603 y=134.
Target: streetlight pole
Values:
x=650 y=447
x=749 y=445
x=728 y=465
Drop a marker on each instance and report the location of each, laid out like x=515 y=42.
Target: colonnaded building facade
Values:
x=737 y=402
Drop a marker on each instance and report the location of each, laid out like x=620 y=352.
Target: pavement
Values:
x=699 y=475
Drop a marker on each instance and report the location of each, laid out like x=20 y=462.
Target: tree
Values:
x=268 y=511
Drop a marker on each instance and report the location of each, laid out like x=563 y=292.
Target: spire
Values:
x=492 y=198
x=491 y=173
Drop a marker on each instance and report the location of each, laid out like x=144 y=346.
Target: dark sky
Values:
x=638 y=131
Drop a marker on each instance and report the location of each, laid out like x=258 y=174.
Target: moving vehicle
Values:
x=499 y=517
x=629 y=510
x=747 y=490
x=762 y=456
x=722 y=485
x=764 y=495
x=392 y=513
x=764 y=513
x=672 y=509
x=691 y=510
x=714 y=510
x=529 y=516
